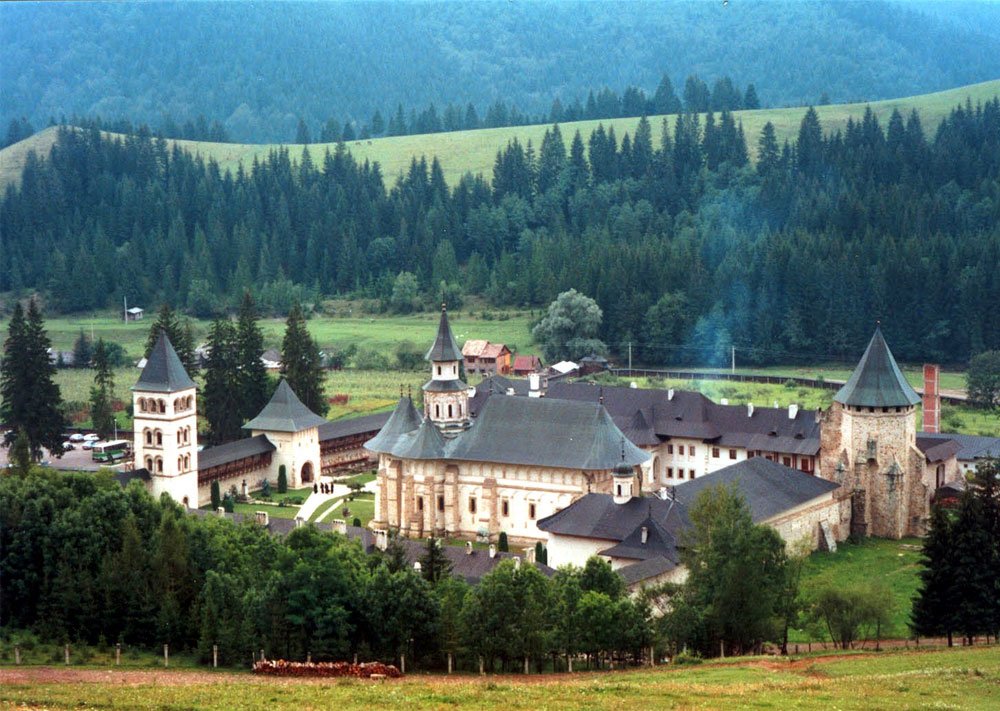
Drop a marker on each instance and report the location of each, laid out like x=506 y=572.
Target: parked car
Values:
x=91 y=437
x=89 y=444
x=76 y=437
x=68 y=446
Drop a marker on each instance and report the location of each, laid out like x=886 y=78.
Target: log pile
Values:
x=365 y=670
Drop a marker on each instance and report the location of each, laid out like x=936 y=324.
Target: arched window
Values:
x=149 y=463
x=187 y=462
x=180 y=464
x=159 y=465
x=437 y=411
x=149 y=436
x=450 y=412
x=163 y=405
x=141 y=404
x=190 y=402
x=159 y=438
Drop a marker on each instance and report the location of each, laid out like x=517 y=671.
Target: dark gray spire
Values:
x=403 y=419
x=164 y=372
x=284 y=413
x=444 y=348
x=877 y=381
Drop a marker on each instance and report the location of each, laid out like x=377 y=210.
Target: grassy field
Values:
x=475 y=151
x=961 y=678
x=380 y=333
x=894 y=564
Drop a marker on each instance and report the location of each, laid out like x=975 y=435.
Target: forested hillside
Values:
x=257 y=69
x=686 y=246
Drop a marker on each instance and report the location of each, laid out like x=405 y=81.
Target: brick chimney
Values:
x=932 y=398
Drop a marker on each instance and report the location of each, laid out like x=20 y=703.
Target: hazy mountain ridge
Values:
x=258 y=68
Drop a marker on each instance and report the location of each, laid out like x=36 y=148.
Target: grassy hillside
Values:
x=474 y=151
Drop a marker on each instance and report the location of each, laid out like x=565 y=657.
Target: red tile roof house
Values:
x=527 y=364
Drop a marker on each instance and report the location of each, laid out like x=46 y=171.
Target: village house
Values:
x=485 y=358
x=525 y=365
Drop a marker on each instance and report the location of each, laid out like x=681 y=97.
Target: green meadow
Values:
x=473 y=152
x=960 y=678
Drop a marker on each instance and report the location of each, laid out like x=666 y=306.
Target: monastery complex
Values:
x=587 y=469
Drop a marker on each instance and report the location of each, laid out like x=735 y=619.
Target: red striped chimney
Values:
x=932 y=398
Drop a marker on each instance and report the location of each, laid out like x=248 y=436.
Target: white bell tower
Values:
x=165 y=411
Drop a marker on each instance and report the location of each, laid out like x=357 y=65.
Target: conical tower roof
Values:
x=444 y=348
x=426 y=442
x=284 y=413
x=164 y=372
x=877 y=381
x=403 y=419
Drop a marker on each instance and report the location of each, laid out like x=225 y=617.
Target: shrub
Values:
x=502 y=544
x=357 y=522
x=687 y=658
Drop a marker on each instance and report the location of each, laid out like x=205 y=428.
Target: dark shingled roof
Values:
x=444 y=347
x=646 y=569
x=284 y=413
x=545 y=432
x=472 y=567
x=769 y=488
x=938 y=450
x=233 y=451
x=425 y=442
x=353 y=426
x=164 y=372
x=126 y=477
x=877 y=381
x=660 y=543
x=598 y=516
x=970 y=446
x=402 y=420
x=444 y=386
x=687 y=414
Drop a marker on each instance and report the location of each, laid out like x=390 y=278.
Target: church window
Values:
x=159 y=465
x=149 y=463
x=187 y=462
x=472 y=504
x=459 y=409
x=439 y=370
x=618 y=489
x=732 y=454
x=505 y=508
x=531 y=511
x=437 y=411
x=163 y=405
x=450 y=411
x=180 y=464
x=715 y=452
x=149 y=436
x=159 y=438
x=420 y=503
x=440 y=503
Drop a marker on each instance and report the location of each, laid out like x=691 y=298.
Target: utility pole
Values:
x=630 y=357
x=125 y=311
x=734 y=359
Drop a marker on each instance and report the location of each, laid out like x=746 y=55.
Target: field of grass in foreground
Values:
x=960 y=678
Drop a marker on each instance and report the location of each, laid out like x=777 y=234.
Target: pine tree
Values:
x=300 y=362
x=282 y=479
x=216 y=495
x=378 y=123
x=221 y=392
x=302 y=133
x=83 y=351
x=180 y=335
x=102 y=395
x=434 y=565
x=502 y=544
x=750 y=100
x=20 y=454
x=31 y=400
x=933 y=608
x=252 y=383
